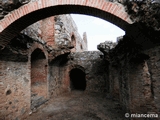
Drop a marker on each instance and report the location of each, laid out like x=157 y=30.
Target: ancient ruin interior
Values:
x=47 y=72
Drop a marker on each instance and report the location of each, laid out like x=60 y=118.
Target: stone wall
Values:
x=94 y=67
x=16 y=78
x=14 y=89
x=58 y=32
x=90 y=63
x=132 y=86
x=153 y=73
x=56 y=74
x=66 y=32
x=42 y=31
x=134 y=73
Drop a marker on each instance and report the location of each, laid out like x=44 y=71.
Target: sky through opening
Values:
x=98 y=30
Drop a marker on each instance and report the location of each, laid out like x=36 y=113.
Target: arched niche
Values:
x=73 y=42
x=38 y=78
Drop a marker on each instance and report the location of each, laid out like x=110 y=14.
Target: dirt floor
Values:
x=78 y=105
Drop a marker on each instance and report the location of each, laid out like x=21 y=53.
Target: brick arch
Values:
x=24 y=16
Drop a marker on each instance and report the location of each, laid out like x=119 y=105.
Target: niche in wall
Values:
x=73 y=42
x=38 y=78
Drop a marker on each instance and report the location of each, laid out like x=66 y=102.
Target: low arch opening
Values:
x=77 y=79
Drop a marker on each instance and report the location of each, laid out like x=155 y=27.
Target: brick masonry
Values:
x=44 y=77
x=57 y=32
x=16 y=78
x=88 y=62
x=21 y=17
x=135 y=84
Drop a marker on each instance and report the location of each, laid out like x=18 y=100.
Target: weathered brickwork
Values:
x=47 y=58
x=88 y=62
x=16 y=84
x=39 y=80
x=39 y=53
x=42 y=31
x=57 y=32
x=47 y=30
x=39 y=10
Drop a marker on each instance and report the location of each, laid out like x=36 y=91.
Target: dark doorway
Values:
x=77 y=79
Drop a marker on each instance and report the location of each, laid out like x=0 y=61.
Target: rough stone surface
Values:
x=8 y=5
x=132 y=72
x=14 y=89
x=95 y=69
x=57 y=32
x=33 y=71
x=153 y=73
x=16 y=77
x=64 y=31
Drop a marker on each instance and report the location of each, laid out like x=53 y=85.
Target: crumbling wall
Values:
x=153 y=73
x=132 y=72
x=14 y=89
x=56 y=75
x=90 y=63
x=42 y=31
x=65 y=30
x=135 y=88
x=39 y=76
x=57 y=32
x=95 y=69
x=15 y=78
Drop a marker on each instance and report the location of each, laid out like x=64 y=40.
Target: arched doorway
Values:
x=77 y=79
x=38 y=78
